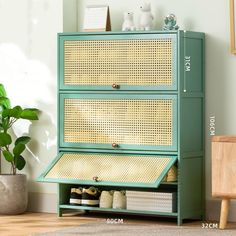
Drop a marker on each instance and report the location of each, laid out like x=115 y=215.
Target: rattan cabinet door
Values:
x=120 y=121
x=118 y=62
x=109 y=169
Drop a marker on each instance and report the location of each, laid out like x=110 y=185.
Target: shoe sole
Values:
x=75 y=201
x=89 y=202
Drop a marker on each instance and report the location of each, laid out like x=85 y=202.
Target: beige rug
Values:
x=104 y=229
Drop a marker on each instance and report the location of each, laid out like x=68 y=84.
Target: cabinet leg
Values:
x=179 y=221
x=59 y=212
x=224 y=213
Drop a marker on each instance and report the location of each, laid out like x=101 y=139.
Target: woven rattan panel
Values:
x=115 y=168
x=127 y=121
x=126 y=62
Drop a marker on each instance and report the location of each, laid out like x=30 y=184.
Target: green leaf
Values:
x=15 y=112
x=18 y=149
x=33 y=109
x=20 y=162
x=2 y=91
x=6 y=113
x=5 y=124
x=23 y=140
x=29 y=114
x=3 y=99
x=5 y=139
x=4 y=102
x=8 y=156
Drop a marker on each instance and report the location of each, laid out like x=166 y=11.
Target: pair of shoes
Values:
x=113 y=199
x=172 y=174
x=85 y=197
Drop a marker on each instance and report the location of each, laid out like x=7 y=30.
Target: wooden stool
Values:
x=224 y=173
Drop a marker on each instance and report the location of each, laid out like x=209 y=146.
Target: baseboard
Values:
x=42 y=202
x=213 y=210
x=47 y=202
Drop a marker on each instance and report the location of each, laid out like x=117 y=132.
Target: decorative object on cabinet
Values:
x=146 y=17
x=128 y=24
x=232 y=26
x=128 y=111
x=170 y=22
x=224 y=173
x=97 y=18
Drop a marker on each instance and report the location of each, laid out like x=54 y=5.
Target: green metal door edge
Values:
x=43 y=178
x=62 y=143
x=81 y=37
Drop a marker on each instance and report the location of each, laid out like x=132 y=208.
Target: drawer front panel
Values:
x=131 y=121
x=111 y=169
x=129 y=63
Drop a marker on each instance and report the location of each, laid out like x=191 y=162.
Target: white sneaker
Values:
x=119 y=200
x=106 y=199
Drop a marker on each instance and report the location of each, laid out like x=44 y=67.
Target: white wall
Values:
x=28 y=69
x=211 y=17
x=70 y=15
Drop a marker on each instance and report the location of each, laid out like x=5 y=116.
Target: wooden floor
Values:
x=31 y=223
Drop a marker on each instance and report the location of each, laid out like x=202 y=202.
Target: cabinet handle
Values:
x=95 y=178
x=115 y=145
x=115 y=86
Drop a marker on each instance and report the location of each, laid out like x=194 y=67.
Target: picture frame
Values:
x=97 y=18
x=232 y=26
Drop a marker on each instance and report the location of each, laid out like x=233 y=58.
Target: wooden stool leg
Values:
x=224 y=213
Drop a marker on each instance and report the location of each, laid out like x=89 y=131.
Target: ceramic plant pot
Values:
x=13 y=194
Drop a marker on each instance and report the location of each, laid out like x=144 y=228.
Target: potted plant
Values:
x=13 y=186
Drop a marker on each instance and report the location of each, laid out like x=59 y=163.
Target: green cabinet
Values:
x=130 y=106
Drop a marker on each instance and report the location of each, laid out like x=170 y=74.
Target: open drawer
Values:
x=128 y=170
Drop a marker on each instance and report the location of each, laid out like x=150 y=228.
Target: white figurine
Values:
x=128 y=24
x=146 y=17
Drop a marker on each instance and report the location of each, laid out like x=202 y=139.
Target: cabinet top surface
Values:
x=224 y=138
x=180 y=32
